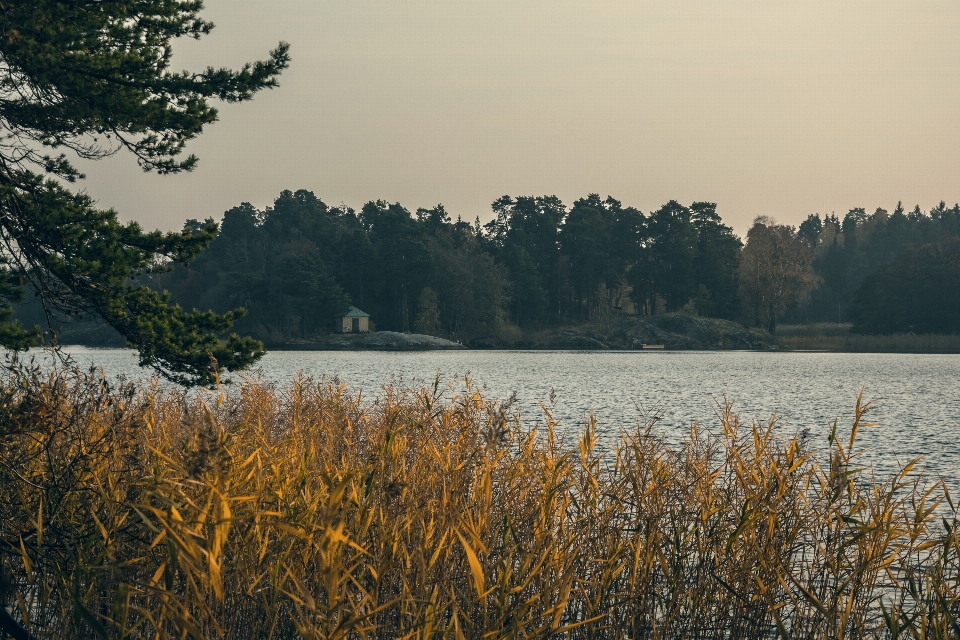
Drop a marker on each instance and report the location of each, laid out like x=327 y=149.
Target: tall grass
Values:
x=837 y=337
x=308 y=513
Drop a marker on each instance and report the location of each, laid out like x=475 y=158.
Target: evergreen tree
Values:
x=525 y=237
x=918 y=292
x=716 y=263
x=673 y=253
x=811 y=229
x=92 y=77
x=586 y=243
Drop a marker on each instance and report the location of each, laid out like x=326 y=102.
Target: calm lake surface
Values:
x=916 y=398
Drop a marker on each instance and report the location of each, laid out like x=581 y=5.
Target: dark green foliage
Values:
x=586 y=239
x=572 y=265
x=316 y=297
x=428 y=314
x=525 y=237
x=683 y=254
x=919 y=292
x=472 y=289
x=92 y=77
x=12 y=333
x=100 y=67
x=530 y=302
x=81 y=259
x=272 y=264
x=297 y=264
x=810 y=230
x=404 y=260
x=849 y=252
x=537 y=264
x=673 y=252
x=718 y=257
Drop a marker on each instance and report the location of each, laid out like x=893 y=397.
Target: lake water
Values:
x=916 y=398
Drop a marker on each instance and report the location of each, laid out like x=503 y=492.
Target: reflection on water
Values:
x=916 y=397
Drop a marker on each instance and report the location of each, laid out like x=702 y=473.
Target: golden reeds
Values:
x=306 y=513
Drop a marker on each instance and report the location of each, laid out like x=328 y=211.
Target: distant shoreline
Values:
x=839 y=338
x=874 y=344
x=374 y=341
x=676 y=332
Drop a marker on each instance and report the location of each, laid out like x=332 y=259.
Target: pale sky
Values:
x=767 y=107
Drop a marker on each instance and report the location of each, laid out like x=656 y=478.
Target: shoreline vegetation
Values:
x=839 y=338
x=544 y=275
x=676 y=331
x=435 y=512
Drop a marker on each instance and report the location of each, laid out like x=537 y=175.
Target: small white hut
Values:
x=353 y=321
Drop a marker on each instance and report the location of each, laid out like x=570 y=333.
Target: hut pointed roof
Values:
x=353 y=312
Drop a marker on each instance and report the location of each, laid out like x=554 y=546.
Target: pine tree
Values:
x=92 y=77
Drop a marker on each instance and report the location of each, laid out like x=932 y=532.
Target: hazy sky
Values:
x=767 y=107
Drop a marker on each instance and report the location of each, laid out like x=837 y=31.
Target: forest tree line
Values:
x=539 y=264
x=887 y=272
x=536 y=265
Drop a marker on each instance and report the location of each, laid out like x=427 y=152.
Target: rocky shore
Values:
x=376 y=341
x=672 y=330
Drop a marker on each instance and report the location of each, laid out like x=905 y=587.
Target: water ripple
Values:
x=916 y=398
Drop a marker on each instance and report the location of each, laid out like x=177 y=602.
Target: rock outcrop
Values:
x=672 y=330
x=375 y=341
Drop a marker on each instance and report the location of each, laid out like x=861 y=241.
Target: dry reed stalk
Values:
x=306 y=513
